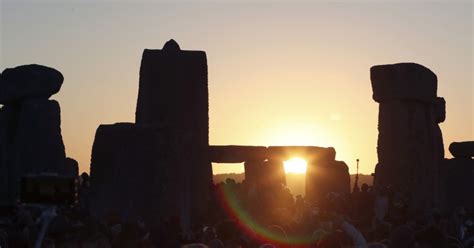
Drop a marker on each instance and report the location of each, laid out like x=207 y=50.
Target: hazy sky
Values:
x=279 y=73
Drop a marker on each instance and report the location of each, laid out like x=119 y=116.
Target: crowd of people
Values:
x=243 y=215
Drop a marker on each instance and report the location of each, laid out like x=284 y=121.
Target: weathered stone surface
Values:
x=457 y=183
x=408 y=81
x=462 y=149
x=39 y=137
x=173 y=82
x=173 y=93
x=30 y=141
x=410 y=146
x=276 y=172
x=324 y=177
x=134 y=171
x=409 y=152
x=29 y=81
x=7 y=119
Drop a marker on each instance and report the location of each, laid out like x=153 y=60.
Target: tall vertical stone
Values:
x=173 y=93
x=325 y=176
x=410 y=145
x=265 y=173
x=254 y=172
x=134 y=172
x=276 y=172
x=8 y=168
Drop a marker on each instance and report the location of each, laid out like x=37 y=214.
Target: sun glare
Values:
x=295 y=165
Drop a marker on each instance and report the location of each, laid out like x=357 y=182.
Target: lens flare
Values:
x=250 y=225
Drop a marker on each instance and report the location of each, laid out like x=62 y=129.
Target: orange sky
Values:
x=279 y=73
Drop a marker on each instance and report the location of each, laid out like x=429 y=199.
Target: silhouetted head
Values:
x=209 y=233
x=365 y=187
x=230 y=181
x=171 y=46
x=84 y=176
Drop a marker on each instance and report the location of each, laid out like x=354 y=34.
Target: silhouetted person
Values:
x=365 y=203
x=84 y=191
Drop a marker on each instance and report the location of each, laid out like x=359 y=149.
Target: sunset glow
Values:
x=271 y=81
x=295 y=165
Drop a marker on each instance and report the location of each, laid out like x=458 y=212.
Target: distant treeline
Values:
x=294 y=181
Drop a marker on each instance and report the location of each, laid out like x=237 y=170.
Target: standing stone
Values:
x=126 y=176
x=173 y=93
x=276 y=172
x=159 y=166
x=31 y=141
x=30 y=132
x=8 y=122
x=39 y=139
x=324 y=177
x=264 y=174
x=410 y=145
x=254 y=172
x=70 y=168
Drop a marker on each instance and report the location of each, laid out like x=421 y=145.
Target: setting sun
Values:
x=295 y=165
